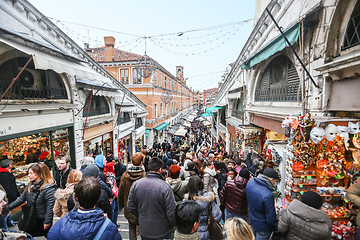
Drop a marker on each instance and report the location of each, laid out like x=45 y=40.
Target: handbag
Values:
x=214 y=228
x=29 y=220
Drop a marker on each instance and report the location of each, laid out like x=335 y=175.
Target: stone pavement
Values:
x=122 y=223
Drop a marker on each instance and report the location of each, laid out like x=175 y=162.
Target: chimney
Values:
x=109 y=48
x=86 y=45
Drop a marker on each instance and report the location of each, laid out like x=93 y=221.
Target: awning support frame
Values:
x=287 y=41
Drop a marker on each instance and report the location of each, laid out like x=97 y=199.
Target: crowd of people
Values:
x=168 y=191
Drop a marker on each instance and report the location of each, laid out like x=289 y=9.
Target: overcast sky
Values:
x=204 y=36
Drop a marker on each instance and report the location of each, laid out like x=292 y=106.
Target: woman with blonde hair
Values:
x=40 y=194
x=62 y=195
x=238 y=229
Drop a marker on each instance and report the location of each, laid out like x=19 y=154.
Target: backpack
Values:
x=111 y=179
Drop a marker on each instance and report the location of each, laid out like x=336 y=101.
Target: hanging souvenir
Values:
x=354 y=128
x=331 y=132
x=317 y=134
x=344 y=132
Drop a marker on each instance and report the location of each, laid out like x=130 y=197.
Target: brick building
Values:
x=167 y=97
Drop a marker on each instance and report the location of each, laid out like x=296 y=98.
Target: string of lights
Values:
x=176 y=42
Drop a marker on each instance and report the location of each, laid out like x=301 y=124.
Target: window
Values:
x=123 y=117
x=161 y=79
x=161 y=109
x=165 y=81
x=136 y=76
x=155 y=77
x=32 y=83
x=138 y=123
x=279 y=83
x=172 y=85
x=155 y=110
x=124 y=73
x=352 y=34
x=98 y=106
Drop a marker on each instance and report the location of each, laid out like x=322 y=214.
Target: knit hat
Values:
x=91 y=170
x=312 y=199
x=174 y=171
x=270 y=172
x=99 y=161
x=244 y=173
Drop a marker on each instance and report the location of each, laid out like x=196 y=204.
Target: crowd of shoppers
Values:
x=167 y=191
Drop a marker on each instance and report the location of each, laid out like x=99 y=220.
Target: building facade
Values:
x=167 y=97
x=55 y=99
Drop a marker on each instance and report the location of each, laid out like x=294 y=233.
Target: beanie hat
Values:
x=91 y=170
x=312 y=199
x=174 y=171
x=244 y=173
x=270 y=172
x=99 y=161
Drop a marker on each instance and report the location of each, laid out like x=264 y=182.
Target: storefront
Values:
x=124 y=149
x=324 y=157
x=98 y=139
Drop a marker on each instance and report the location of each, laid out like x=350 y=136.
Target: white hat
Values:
x=2 y=195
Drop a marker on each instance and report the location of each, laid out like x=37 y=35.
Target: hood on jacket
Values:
x=174 y=183
x=211 y=172
x=207 y=197
x=64 y=193
x=306 y=212
x=262 y=179
x=134 y=173
x=240 y=182
x=99 y=161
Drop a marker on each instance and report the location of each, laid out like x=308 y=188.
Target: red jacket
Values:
x=233 y=196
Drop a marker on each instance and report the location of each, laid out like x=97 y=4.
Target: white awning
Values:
x=187 y=124
x=206 y=123
x=46 y=61
x=181 y=132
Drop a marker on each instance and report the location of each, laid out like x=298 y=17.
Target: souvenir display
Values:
x=327 y=162
x=248 y=139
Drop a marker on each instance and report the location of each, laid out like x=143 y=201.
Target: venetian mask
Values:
x=354 y=128
x=344 y=131
x=317 y=134
x=331 y=132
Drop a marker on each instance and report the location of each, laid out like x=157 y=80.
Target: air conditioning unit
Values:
x=30 y=78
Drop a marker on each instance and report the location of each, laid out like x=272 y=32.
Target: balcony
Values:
x=34 y=92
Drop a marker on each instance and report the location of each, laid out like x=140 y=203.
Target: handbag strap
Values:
x=102 y=229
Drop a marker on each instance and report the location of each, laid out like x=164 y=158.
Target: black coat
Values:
x=44 y=203
x=61 y=178
x=119 y=170
x=7 y=180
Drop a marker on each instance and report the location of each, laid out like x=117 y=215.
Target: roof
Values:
x=99 y=55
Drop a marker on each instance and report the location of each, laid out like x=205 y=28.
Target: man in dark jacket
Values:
x=86 y=221
x=262 y=215
x=62 y=171
x=233 y=196
x=7 y=180
x=132 y=174
x=152 y=192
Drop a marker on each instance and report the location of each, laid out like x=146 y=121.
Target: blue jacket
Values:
x=82 y=225
x=262 y=215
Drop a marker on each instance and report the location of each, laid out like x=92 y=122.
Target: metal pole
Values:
x=296 y=55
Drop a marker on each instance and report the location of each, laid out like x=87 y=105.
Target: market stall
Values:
x=324 y=157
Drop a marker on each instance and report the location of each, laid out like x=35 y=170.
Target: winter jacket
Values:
x=204 y=200
x=44 y=203
x=132 y=174
x=262 y=215
x=300 y=221
x=82 y=224
x=61 y=197
x=353 y=193
x=233 y=196
x=7 y=180
x=152 y=201
x=120 y=169
x=178 y=186
x=209 y=179
x=61 y=178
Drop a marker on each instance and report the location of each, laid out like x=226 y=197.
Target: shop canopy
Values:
x=181 y=132
x=212 y=109
x=173 y=129
x=276 y=45
x=206 y=123
x=204 y=115
x=200 y=119
x=162 y=126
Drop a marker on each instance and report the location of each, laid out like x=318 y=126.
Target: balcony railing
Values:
x=34 y=92
x=284 y=93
